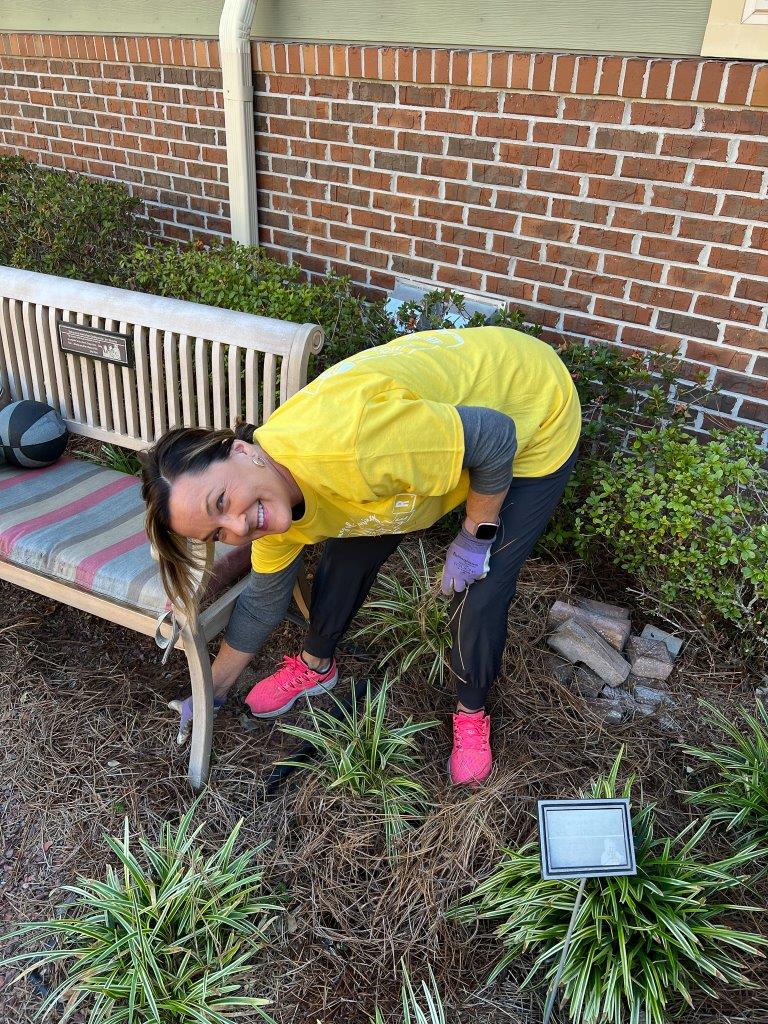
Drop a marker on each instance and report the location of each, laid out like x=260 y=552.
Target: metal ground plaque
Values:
x=95 y=343
x=586 y=838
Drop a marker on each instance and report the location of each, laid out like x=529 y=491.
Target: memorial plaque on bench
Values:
x=109 y=346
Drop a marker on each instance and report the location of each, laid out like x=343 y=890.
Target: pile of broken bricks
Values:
x=625 y=675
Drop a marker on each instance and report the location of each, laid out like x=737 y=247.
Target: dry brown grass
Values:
x=86 y=738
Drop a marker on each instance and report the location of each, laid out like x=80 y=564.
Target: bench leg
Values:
x=302 y=593
x=201 y=679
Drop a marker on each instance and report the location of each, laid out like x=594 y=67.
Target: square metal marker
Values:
x=586 y=838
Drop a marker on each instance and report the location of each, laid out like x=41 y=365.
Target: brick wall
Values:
x=144 y=111
x=615 y=198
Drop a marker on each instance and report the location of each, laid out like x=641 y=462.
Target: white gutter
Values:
x=237 y=83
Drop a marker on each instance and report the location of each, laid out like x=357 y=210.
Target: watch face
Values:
x=486 y=531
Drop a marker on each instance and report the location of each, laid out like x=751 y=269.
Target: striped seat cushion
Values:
x=84 y=524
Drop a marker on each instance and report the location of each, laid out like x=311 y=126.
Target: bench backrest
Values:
x=194 y=365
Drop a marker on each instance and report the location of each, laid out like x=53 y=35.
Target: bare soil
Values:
x=87 y=739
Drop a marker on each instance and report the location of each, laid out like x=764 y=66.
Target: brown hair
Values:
x=181 y=450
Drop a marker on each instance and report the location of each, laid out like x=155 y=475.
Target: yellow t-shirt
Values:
x=376 y=444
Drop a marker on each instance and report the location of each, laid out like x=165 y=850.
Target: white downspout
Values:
x=237 y=83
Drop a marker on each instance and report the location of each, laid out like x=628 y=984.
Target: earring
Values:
x=258 y=461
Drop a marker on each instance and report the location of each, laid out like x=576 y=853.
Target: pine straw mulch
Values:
x=87 y=739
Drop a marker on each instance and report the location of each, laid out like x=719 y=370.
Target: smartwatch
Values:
x=486 y=531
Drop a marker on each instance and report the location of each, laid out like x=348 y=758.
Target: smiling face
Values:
x=233 y=501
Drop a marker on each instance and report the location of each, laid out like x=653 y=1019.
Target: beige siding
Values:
x=592 y=26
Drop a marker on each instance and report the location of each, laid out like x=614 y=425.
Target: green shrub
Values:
x=689 y=520
x=738 y=798
x=122 y=460
x=244 y=278
x=170 y=940
x=620 y=393
x=64 y=224
x=410 y=618
x=643 y=943
x=359 y=752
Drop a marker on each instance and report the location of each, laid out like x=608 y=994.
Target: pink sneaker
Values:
x=280 y=691
x=471 y=758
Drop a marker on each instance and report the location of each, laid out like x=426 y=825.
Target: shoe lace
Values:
x=294 y=672
x=471 y=731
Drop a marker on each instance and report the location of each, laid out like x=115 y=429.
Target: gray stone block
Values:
x=615 y=631
x=580 y=643
x=612 y=611
x=672 y=643
x=615 y=704
x=649 y=658
x=560 y=670
x=586 y=683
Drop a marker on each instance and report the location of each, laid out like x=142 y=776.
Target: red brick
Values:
x=590 y=328
x=540 y=272
x=558 y=231
x=731 y=179
x=520 y=70
x=562 y=299
x=652 y=340
x=440 y=168
x=665 y=298
x=586 y=161
x=509 y=288
x=710 y=82
x=593 y=110
x=499 y=70
x=610 y=76
x=542 y=71
x=406 y=64
x=568 y=256
x=759 y=97
x=487 y=262
x=699 y=280
x=651 y=169
x=658 y=79
x=558 y=133
x=497 y=174
x=643 y=220
x=633 y=269
x=597 y=283
x=502 y=127
x=670 y=249
x=695 y=147
x=626 y=141
x=524 y=248
x=526 y=156
x=744 y=207
x=417 y=95
x=441 y=211
x=521 y=202
x=473 y=99
x=397 y=117
x=573 y=209
x=663 y=115
x=616 y=190
x=531 y=104
x=459 y=278
x=634 y=75
x=756 y=411
x=727 y=309
x=388 y=64
x=549 y=181
x=735 y=122
x=565 y=65
x=746 y=337
x=605 y=239
x=684 y=199
x=586 y=75
x=739 y=77
x=623 y=311
x=755 y=387
x=491 y=219
x=459 y=73
x=753 y=153
x=753 y=263
x=470 y=194
x=723 y=231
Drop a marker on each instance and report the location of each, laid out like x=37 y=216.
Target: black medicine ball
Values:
x=32 y=434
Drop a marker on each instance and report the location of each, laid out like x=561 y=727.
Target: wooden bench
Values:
x=74 y=531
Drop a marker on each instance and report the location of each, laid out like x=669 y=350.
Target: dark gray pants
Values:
x=478 y=616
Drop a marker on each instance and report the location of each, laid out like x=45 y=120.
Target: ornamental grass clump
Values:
x=410 y=618
x=170 y=935
x=738 y=798
x=425 y=1007
x=359 y=752
x=642 y=944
